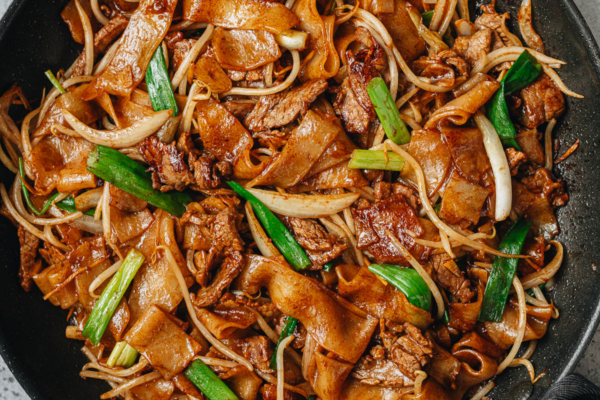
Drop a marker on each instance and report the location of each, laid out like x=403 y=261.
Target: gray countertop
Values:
x=588 y=367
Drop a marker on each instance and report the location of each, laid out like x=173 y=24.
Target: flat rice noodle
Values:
x=76 y=177
x=127 y=225
x=432 y=154
x=125 y=201
x=443 y=367
x=463 y=316
x=401 y=28
x=338 y=176
x=474 y=341
x=536 y=209
x=128 y=112
x=330 y=321
x=146 y=30
x=530 y=145
x=224 y=319
x=245 y=385
x=354 y=390
x=363 y=289
x=327 y=376
x=50 y=278
x=338 y=151
x=265 y=15
x=396 y=215
x=158 y=389
x=344 y=37
x=325 y=61
x=503 y=333
x=72 y=101
x=51 y=155
x=184 y=384
x=244 y=50
x=459 y=110
x=71 y=17
x=304 y=147
x=462 y=200
x=431 y=390
x=155 y=283
x=164 y=344
x=208 y=72
x=468 y=152
x=475 y=369
x=226 y=138
x=196 y=237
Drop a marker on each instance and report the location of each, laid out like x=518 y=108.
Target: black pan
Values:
x=33 y=39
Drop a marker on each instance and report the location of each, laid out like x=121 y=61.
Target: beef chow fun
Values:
x=322 y=199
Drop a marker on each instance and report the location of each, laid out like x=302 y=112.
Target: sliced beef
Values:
x=282 y=108
x=450 y=277
x=266 y=309
x=169 y=170
x=445 y=68
x=274 y=139
x=542 y=182
x=320 y=246
x=228 y=271
x=515 y=159
x=393 y=214
x=404 y=351
x=473 y=47
x=239 y=109
x=51 y=254
x=383 y=190
x=179 y=49
x=299 y=332
x=492 y=20
x=540 y=102
x=29 y=266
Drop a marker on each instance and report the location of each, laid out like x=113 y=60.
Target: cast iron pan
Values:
x=33 y=38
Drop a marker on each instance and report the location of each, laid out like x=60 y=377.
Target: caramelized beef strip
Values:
x=29 y=266
x=539 y=102
x=450 y=277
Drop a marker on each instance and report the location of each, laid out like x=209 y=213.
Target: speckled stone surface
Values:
x=588 y=367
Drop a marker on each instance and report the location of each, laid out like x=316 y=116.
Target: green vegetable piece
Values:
x=524 y=71
x=68 y=204
x=427 y=17
x=55 y=81
x=389 y=116
x=281 y=237
x=376 y=159
x=111 y=296
x=408 y=281
x=208 y=382
x=503 y=272
x=26 y=193
x=288 y=329
x=159 y=85
x=446 y=318
x=328 y=267
x=121 y=171
x=123 y=355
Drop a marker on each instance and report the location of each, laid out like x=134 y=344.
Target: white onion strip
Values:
x=100 y=279
x=543 y=275
x=120 y=138
x=301 y=206
x=521 y=326
x=191 y=56
x=190 y=307
x=497 y=157
x=532 y=39
x=448 y=17
x=264 y=244
x=118 y=372
x=89 y=39
x=511 y=54
x=106 y=225
x=280 y=370
x=106 y=59
x=419 y=268
x=273 y=89
x=131 y=384
x=452 y=234
x=558 y=82
x=548 y=153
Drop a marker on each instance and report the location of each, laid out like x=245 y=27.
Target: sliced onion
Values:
x=120 y=138
x=502 y=178
x=292 y=40
x=89 y=39
x=532 y=39
x=264 y=244
x=556 y=79
x=511 y=54
x=543 y=275
x=88 y=200
x=301 y=206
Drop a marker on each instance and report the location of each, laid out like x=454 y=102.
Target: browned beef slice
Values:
x=227 y=272
x=541 y=102
x=471 y=48
x=515 y=159
x=169 y=171
x=450 y=277
x=29 y=266
x=444 y=68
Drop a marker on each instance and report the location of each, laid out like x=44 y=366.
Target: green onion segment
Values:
x=123 y=355
x=376 y=159
x=208 y=382
x=55 y=82
x=159 y=85
x=288 y=329
x=389 y=116
x=68 y=204
x=408 y=281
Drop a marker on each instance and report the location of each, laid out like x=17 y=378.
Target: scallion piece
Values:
x=524 y=71
x=111 y=296
x=124 y=173
x=503 y=272
x=328 y=267
x=68 y=204
x=26 y=193
x=389 y=116
x=427 y=17
x=123 y=355
x=281 y=237
x=288 y=329
x=408 y=281
x=376 y=159
x=208 y=382
x=159 y=85
x=55 y=81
